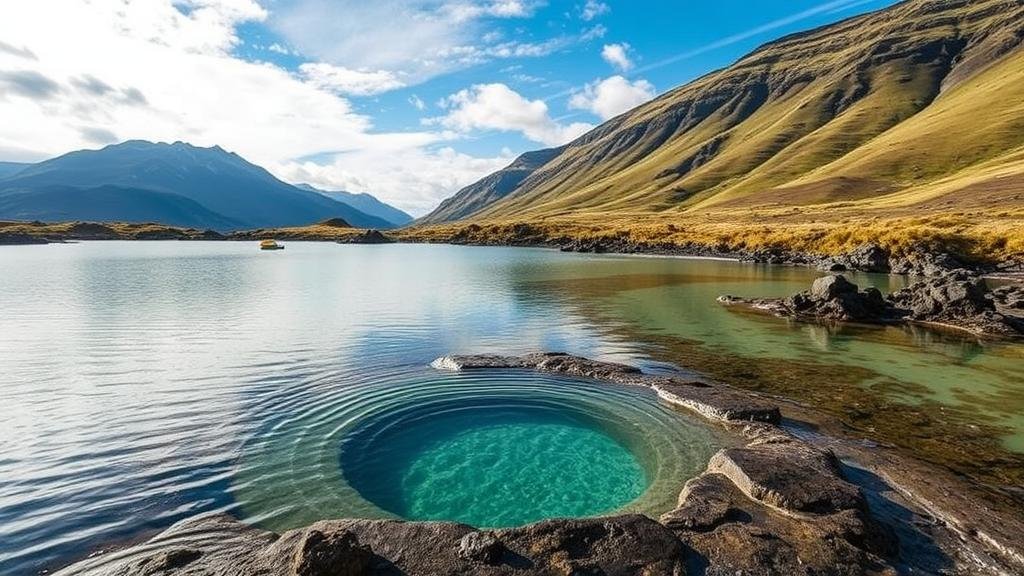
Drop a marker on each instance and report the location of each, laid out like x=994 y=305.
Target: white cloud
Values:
x=617 y=55
x=594 y=8
x=417 y=103
x=108 y=70
x=593 y=33
x=416 y=183
x=275 y=47
x=345 y=81
x=418 y=38
x=612 y=96
x=498 y=107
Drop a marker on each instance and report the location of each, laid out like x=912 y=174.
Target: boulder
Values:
x=481 y=547
x=868 y=258
x=836 y=298
x=331 y=553
x=831 y=287
x=367 y=237
x=789 y=475
x=957 y=298
x=924 y=263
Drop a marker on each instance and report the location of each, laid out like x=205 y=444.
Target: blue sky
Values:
x=406 y=99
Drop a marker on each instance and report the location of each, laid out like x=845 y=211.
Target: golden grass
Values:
x=978 y=237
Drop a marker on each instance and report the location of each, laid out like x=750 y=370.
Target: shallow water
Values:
x=146 y=382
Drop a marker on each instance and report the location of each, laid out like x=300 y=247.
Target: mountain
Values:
x=8 y=169
x=485 y=192
x=169 y=183
x=365 y=203
x=912 y=109
x=97 y=204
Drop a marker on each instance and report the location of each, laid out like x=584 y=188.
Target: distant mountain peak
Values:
x=168 y=180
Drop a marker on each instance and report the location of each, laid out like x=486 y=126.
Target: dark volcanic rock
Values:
x=830 y=298
x=367 y=237
x=1010 y=297
x=835 y=298
x=331 y=553
x=924 y=263
x=15 y=238
x=868 y=258
x=624 y=545
x=956 y=299
x=733 y=534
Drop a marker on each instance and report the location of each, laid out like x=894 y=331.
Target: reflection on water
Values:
x=137 y=375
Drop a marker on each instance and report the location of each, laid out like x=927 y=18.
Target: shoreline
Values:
x=919 y=258
x=768 y=505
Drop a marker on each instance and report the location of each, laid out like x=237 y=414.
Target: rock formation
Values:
x=772 y=503
x=957 y=299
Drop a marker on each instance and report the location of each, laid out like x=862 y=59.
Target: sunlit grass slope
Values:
x=916 y=111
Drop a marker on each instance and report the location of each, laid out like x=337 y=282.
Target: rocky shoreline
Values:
x=779 y=502
x=956 y=300
x=870 y=257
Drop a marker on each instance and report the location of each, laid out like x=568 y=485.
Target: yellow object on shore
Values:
x=270 y=245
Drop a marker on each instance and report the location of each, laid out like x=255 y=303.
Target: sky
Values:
x=409 y=100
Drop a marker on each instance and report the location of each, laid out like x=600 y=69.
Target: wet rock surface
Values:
x=957 y=299
x=711 y=401
x=626 y=545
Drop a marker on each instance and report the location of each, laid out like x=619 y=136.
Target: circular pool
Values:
x=491 y=449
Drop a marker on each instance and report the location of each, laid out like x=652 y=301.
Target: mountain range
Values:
x=176 y=184
x=914 y=109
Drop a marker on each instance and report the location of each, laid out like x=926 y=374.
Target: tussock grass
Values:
x=978 y=237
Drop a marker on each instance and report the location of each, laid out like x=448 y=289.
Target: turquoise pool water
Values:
x=486 y=448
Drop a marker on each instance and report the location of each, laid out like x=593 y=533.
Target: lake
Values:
x=145 y=382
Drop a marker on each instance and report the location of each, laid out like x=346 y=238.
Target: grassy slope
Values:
x=908 y=115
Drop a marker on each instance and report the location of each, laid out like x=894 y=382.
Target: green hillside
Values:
x=913 y=110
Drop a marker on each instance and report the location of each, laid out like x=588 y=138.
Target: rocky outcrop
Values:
x=1010 y=297
x=15 y=239
x=367 y=237
x=627 y=545
x=770 y=503
x=925 y=263
x=956 y=299
x=868 y=257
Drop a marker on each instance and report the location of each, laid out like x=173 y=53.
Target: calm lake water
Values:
x=145 y=382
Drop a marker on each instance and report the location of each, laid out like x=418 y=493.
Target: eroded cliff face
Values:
x=881 y=104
